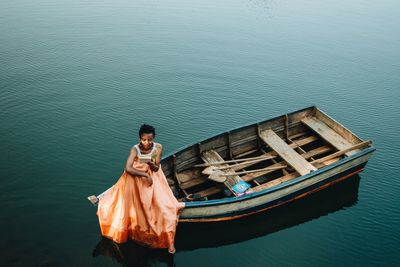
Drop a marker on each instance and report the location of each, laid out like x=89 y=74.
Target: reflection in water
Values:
x=327 y=201
x=132 y=254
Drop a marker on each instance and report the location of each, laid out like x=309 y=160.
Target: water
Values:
x=77 y=78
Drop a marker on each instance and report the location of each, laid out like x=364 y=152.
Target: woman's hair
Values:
x=145 y=128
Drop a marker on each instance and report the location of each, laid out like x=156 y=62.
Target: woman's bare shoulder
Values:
x=158 y=146
x=134 y=149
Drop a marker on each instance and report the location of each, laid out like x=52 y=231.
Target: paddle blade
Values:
x=209 y=170
x=217 y=177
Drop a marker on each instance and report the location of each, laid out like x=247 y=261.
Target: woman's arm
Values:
x=155 y=164
x=128 y=166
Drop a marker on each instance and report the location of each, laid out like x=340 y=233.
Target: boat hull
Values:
x=237 y=207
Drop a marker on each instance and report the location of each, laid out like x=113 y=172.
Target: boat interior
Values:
x=263 y=155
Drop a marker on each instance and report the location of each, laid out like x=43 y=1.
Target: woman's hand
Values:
x=153 y=166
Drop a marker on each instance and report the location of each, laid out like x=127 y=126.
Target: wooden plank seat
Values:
x=211 y=156
x=287 y=153
x=329 y=135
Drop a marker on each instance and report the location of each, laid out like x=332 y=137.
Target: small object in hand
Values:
x=93 y=199
x=144 y=158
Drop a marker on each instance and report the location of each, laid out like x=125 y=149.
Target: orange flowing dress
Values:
x=133 y=209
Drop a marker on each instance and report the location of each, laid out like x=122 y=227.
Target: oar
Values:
x=341 y=152
x=220 y=176
x=233 y=161
x=257 y=170
x=238 y=166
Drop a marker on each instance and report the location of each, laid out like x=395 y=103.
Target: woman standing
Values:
x=141 y=206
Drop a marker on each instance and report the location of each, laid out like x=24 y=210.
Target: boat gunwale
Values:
x=229 y=200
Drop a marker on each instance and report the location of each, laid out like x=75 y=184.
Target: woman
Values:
x=141 y=206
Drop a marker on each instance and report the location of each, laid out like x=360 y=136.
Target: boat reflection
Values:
x=206 y=235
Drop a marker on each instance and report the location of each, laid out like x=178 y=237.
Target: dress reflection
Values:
x=207 y=235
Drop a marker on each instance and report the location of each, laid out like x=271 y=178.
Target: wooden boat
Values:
x=282 y=159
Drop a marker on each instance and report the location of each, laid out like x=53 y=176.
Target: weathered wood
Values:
x=300 y=134
x=275 y=182
x=209 y=191
x=186 y=154
x=339 y=153
x=254 y=171
x=337 y=127
x=283 y=170
x=228 y=137
x=287 y=127
x=246 y=164
x=307 y=155
x=317 y=163
x=246 y=153
x=276 y=124
x=329 y=135
x=274 y=161
x=245 y=134
x=191 y=178
x=205 y=193
x=286 y=152
x=252 y=176
x=174 y=172
x=259 y=144
x=187 y=164
x=328 y=162
x=223 y=162
x=211 y=156
x=269 y=155
x=298 y=116
x=255 y=175
x=315 y=152
x=304 y=141
x=214 y=143
x=243 y=148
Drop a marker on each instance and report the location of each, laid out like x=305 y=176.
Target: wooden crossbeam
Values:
x=287 y=153
x=329 y=135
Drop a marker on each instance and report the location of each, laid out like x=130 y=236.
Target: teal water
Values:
x=77 y=78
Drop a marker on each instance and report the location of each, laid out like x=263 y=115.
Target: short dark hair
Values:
x=145 y=128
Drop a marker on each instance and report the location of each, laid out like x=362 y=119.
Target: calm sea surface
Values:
x=77 y=78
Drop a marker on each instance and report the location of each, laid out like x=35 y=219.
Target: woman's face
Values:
x=146 y=140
